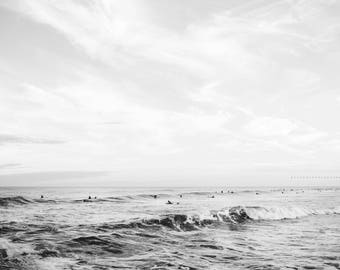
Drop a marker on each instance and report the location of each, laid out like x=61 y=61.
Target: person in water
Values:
x=169 y=202
x=41 y=196
x=155 y=196
x=90 y=198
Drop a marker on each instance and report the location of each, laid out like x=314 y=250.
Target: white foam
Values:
x=54 y=263
x=14 y=249
x=278 y=213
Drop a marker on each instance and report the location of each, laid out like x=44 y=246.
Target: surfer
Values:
x=169 y=202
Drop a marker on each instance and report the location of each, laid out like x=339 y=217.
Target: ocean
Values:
x=169 y=228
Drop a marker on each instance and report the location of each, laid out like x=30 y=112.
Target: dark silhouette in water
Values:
x=41 y=196
x=95 y=198
x=155 y=196
x=238 y=214
x=169 y=202
x=180 y=195
x=90 y=198
x=221 y=191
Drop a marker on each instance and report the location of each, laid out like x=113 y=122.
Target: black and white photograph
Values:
x=170 y=134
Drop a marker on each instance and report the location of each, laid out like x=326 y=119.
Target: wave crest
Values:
x=242 y=213
x=237 y=215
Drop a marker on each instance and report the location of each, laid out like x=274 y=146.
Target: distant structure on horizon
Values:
x=315 y=177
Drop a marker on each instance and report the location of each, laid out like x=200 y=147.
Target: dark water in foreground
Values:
x=258 y=228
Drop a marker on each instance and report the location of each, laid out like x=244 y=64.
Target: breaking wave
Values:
x=236 y=214
x=232 y=215
x=242 y=213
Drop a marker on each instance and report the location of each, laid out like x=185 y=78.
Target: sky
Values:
x=169 y=92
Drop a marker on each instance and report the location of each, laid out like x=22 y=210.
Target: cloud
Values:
x=49 y=177
x=286 y=132
x=270 y=126
x=117 y=33
x=12 y=139
x=9 y=165
x=169 y=85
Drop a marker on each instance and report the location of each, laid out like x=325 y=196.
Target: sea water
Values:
x=170 y=228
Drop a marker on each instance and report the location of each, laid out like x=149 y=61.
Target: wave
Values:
x=125 y=198
x=178 y=222
x=19 y=200
x=188 y=222
x=16 y=200
x=199 y=193
x=241 y=213
x=232 y=215
x=236 y=214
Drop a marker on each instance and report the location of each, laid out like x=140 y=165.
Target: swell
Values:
x=236 y=214
x=185 y=222
x=20 y=200
x=15 y=200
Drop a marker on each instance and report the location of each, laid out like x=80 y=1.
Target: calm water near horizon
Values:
x=136 y=228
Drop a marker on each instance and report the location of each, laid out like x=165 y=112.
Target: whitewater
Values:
x=170 y=228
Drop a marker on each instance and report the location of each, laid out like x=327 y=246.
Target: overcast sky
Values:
x=169 y=92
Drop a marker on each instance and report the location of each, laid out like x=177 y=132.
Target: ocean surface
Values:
x=203 y=228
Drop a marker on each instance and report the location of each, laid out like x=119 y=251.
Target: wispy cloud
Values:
x=8 y=139
x=48 y=177
x=9 y=165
